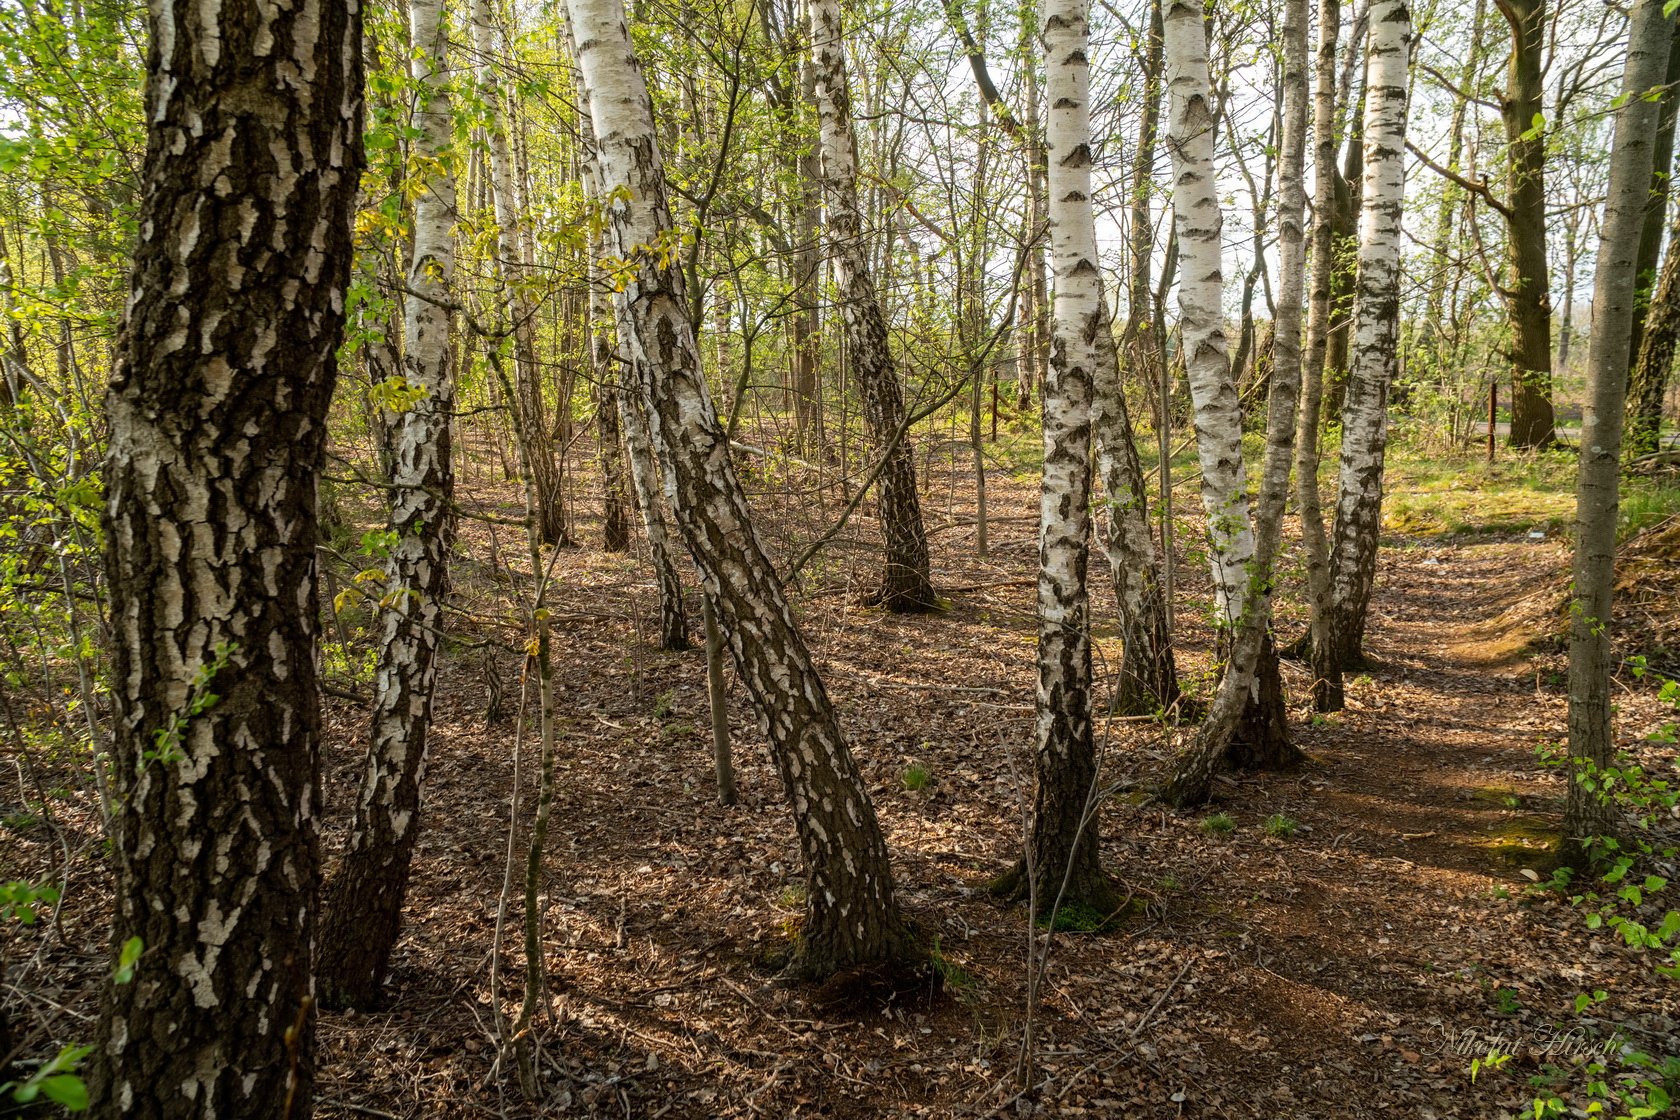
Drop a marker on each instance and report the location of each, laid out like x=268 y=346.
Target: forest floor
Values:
x=1350 y=960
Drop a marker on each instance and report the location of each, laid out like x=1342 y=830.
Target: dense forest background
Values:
x=797 y=558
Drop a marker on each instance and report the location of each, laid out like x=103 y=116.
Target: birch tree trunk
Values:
x=613 y=367
x=1326 y=670
x=363 y=913
x=905 y=585
x=217 y=409
x=1246 y=722
x=852 y=916
x=1148 y=673
x=1588 y=813
x=514 y=262
x=1062 y=865
x=1032 y=337
x=1376 y=330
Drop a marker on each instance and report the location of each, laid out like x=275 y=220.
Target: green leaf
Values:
x=131 y=950
x=68 y=1090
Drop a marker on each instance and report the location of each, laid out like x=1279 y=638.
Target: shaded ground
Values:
x=1330 y=973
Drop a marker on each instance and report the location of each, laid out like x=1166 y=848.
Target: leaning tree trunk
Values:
x=1588 y=813
x=612 y=361
x=1376 y=331
x=906 y=584
x=1528 y=296
x=218 y=409
x=363 y=913
x=1246 y=721
x=1326 y=671
x=1061 y=866
x=851 y=917
x=1649 y=384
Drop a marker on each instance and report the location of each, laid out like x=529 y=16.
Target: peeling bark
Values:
x=217 y=408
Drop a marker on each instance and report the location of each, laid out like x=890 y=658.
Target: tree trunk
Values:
x=1353 y=560
x=217 y=409
x=645 y=485
x=1148 y=673
x=1062 y=856
x=852 y=917
x=905 y=584
x=1589 y=813
x=1033 y=338
x=1246 y=722
x=1656 y=354
x=1655 y=220
x=363 y=914
x=1528 y=297
x=1326 y=671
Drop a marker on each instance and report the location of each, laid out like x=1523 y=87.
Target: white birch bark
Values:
x=1376 y=327
x=1191 y=124
x=906 y=583
x=852 y=916
x=1063 y=844
x=364 y=908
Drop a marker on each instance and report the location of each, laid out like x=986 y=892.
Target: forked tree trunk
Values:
x=363 y=912
x=1246 y=722
x=1588 y=813
x=851 y=917
x=1326 y=670
x=1353 y=560
x=905 y=583
x=1062 y=855
x=1528 y=296
x=218 y=408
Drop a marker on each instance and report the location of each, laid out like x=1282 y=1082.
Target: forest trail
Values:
x=1348 y=969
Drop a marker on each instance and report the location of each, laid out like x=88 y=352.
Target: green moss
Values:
x=1526 y=841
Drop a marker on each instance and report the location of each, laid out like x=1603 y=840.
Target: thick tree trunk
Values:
x=1376 y=358
x=1528 y=296
x=852 y=917
x=905 y=583
x=363 y=914
x=1655 y=221
x=217 y=411
x=1588 y=813
x=1326 y=671
x=1246 y=722
x=1656 y=354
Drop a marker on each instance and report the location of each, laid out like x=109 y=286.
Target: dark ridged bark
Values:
x=217 y=409
x=1528 y=294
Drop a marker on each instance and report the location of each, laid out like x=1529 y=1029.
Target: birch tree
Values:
x=364 y=905
x=1376 y=329
x=1588 y=812
x=1245 y=722
x=1062 y=864
x=852 y=915
x=906 y=585
x=1326 y=670
x=217 y=409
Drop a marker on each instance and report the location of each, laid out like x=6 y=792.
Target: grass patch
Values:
x=1218 y=824
x=915 y=777
x=1280 y=827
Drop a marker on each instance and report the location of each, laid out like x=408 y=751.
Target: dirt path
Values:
x=1337 y=972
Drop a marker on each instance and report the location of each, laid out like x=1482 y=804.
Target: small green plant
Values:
x=952 y=976
x=1280 y=827
x=1078 y=917
x=792 y=897
x=1506 y=1002
x=1218 y=824
x=166 y=740
x=662 y=704
x=1494 y=1060
x=916 y=777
